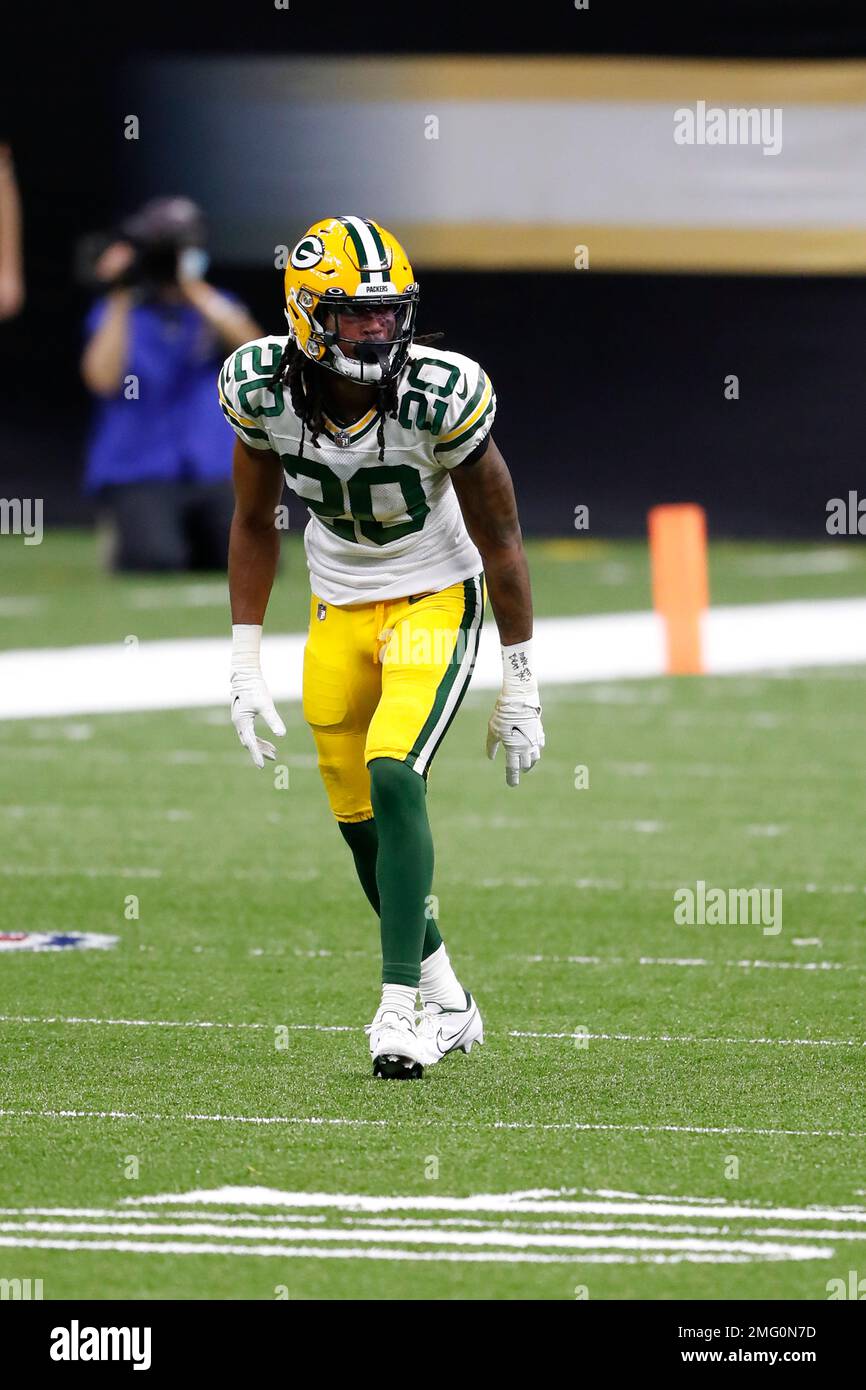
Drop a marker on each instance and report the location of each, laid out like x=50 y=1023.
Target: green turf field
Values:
x=557 y=906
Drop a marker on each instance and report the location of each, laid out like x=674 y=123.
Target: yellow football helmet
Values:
x=340 y=264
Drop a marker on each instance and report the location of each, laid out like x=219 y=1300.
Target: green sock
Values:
x=362 y=838
x=432 y=939
x=404 y=867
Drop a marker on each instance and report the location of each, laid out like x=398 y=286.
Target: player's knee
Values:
x=348 y=794
x=391 y=783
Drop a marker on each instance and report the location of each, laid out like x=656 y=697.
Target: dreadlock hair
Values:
x=303 y=379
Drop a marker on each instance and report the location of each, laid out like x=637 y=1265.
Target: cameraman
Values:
x=159 y=456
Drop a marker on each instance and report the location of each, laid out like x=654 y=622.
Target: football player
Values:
x=412 y=518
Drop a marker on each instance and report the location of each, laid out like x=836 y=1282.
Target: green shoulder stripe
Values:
x=466 y=434
x=244 y=429
x=472 y=402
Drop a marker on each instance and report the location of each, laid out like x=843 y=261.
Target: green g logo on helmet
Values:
x=308 y=252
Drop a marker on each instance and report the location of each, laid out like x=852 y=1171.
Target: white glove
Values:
x=250 y=695
x=516 y=718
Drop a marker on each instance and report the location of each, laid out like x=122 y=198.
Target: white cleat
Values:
x=397 y=1051
x=447 y=1030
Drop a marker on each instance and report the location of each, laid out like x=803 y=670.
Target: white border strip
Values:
x=193 y=672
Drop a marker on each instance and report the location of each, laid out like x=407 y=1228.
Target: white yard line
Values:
x=613 y=885
x=694 y=1038
x=565 y=1125
x=688 y=961
x=493 y=1226
x=574 y=1240
x=48 y=871
x=230 y=1223
x=542 y=1202
x=179 y=1023
x=192 y=672
x=356 y=1028
x=575 y=1202
x=168 y=1247
x=263 y=1223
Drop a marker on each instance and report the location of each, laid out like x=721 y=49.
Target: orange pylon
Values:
x=680 y=581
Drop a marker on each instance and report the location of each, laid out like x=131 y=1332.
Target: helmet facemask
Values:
x=368 y=362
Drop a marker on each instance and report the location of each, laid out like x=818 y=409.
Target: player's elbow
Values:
x=499 y=545
x=254 y=522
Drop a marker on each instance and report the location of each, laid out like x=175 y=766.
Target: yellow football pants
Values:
x=385 y=680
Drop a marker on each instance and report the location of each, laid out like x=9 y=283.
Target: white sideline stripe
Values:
x=128 y=1213
x=173 y=1119
x=511 y=1033
x=534 y=1201
x=430 y=1236
x=600 y=884
x=499 y=1226
x=690 y=1038
x=46 y=871
x=676 y=1228
x=261 y=1221
x=575 y=1126
x=192 y=672
x=689 y=961
x=756 y=964
x=169 y=1247
x=613 y=885
x=549 y=1200
x=161 y=1023
x=683 y=1129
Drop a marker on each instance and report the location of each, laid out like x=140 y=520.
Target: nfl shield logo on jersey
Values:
x=320 y=612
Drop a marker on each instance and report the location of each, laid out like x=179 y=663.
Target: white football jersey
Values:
x=377 y=530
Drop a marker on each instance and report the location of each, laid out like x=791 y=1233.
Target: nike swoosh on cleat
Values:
x=454 y=1042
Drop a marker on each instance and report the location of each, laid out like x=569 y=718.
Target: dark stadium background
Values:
x=631 y=1060
x=608 y=385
